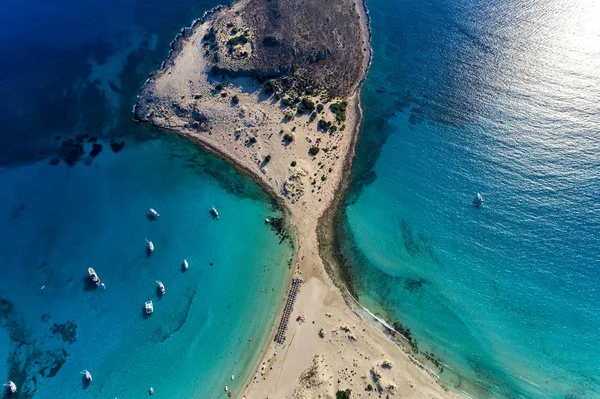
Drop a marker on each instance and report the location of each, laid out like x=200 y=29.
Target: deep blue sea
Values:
x=500 y=97
x=69 y=76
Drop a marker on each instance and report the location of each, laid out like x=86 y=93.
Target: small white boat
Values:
x=214 y=212
x=161 y=287
x=150 y=246
x=12 y=387
x=149 y=307
x=151 y=390
x=478 y=200
x=154 y=213
x=185 y=264
x=88 y=376
x=226 y=389
x=232 y=377
x=93 y=275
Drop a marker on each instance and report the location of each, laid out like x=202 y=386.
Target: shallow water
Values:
x=213 y=319
x=498 y=98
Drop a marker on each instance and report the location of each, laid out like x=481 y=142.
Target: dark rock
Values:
x=66 y=331
x=116 y=146
x=54 y=161
x=71 y=150
x=92 y=139
x=96 y=149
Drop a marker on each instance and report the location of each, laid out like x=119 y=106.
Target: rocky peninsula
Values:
x=273 y=86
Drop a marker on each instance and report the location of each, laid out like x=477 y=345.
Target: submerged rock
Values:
x=70 y=151
x=66 y=331
x=96 y=149
x=117 y=146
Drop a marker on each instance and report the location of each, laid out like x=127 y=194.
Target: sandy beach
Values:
x=304 y=167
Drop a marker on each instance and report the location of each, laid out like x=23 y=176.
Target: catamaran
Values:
x=154 y=213
x=12 y=387
x=161 y=287
x=150 y=246
x=93 y=275
x=88 y=376
x=149 y=307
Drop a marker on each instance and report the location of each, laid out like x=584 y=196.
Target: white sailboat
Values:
x=161 y=287
x=150 y=246
x=12 y=387
x=154 y=213
x=214 y=212
x=185 y=264
x=93 y=275
x=88 y=376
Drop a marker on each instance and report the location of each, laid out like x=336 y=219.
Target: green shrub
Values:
x=293 y=163
x=287 y=101
x=314 y=150
x=324 y=125
x=339 y=109
x=209 y=36
x=343 y=394
x=320 y=108
x=270 y=86
x=288 y=137
x=323 y=178
x=308 y=104
x=267 y=158
x=241 y=39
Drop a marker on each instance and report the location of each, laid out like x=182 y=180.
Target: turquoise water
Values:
x=500 y=98
x=70 y=75
x=211 y=323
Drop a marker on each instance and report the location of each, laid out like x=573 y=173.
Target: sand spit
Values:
x=284 y=127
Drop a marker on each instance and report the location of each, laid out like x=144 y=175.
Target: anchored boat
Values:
x=149 y=307
x=93 y=275
x=214 y=212
x=478 y=200
x=154 y=213
x=185 y=264
x=161 y=287
x=150 y=246
x=86 y=374
x=12 y=387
